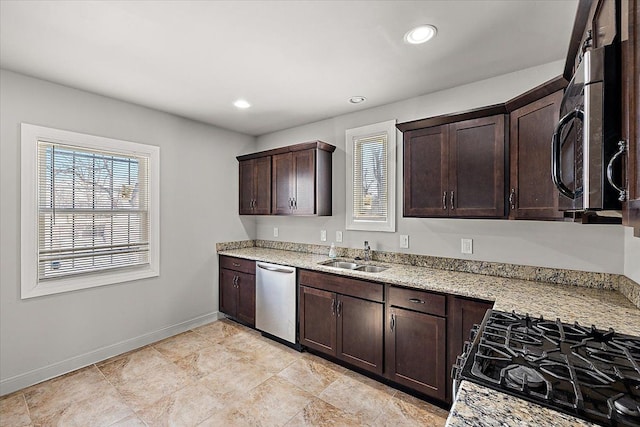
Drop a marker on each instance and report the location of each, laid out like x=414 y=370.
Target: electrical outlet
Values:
x=339 y=236
x=323 y=235
x=467 y=246
x=404 y=241
x=275 y=231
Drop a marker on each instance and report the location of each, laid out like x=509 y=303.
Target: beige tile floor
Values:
x=220 y=374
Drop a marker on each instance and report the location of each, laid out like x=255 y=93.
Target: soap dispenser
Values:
x=332 y=250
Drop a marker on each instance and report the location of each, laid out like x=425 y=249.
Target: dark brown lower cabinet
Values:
x=360 y=332
x=463 y=314
x=347 y=327
x=413 y=342
x=237 y=289
x=416 y=351
x=318 y=319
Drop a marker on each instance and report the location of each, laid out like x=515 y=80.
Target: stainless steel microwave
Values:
x=585 y=142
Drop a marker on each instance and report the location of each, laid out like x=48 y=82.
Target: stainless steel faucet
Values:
x=367 y=251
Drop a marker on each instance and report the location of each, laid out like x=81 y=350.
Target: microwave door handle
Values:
x=556 y=163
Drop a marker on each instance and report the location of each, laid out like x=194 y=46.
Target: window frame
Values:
x=30 y=284
x=351 y=135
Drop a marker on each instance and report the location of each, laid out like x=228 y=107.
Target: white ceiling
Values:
x=295 y=61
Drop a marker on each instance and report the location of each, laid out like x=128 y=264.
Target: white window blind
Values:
x=93 y=210
x=371 y=160
x=370 y=186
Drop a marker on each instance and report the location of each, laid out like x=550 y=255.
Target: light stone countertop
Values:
x=588 y=306
x=476 y=405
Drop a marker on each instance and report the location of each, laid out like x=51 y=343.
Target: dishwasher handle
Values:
x=275 y=269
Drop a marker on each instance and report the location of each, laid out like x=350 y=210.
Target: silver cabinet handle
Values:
x=622 y=148
x=235 y=264
x=333 y=307
x=339 y=309
x=512 y=198
x=393 y=321
x=451 y=200
x=416 y=300
x=444 y=200
x=556 y=162
x=295 y=203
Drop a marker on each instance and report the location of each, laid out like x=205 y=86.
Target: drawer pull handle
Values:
x=393 y=321
x=416 y=300
x=235 y=264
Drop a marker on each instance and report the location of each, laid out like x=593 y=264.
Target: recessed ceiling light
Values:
x=357 y=99
x=242 y=104
x=420 y=34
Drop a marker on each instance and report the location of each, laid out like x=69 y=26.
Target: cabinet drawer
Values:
x=238 y=264
x=416 y=300
x=343 y=285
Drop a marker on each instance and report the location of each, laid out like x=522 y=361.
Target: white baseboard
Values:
x=35 y=376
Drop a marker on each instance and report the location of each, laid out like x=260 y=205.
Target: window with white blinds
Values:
x=94 y=218
x=371 y=177
x=370 y=189
x=93 y=210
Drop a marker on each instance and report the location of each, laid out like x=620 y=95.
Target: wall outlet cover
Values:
x=467 y=246
x=338 y=236
x=404 y=241
x=323 y=235
x=275 y=231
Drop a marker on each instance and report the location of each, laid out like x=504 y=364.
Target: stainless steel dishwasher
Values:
x=276 y=301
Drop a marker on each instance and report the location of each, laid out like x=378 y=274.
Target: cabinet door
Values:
x=247 y=184
x=360 y=332
x=426 y=170
x=463 y=314
x=304 y=172
x=246 y=306
x=255 y=186
x=631 y=110
x=532 y=194
x=262 y=185
x=477 y=161
x=283 y=184
x=228 y=293
x=318 y=319
x=416 y=351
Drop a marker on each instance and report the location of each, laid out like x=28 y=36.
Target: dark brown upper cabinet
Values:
x=631 y=110
x=532 y=194
x=293 y=183
x=255 y=186
x=292 y=180
x=456 y=169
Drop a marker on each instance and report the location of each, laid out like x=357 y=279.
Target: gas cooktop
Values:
x=582 y=371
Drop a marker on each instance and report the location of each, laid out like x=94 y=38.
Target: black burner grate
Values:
x=582 y=371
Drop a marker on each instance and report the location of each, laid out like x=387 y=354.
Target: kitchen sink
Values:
x=347 y=265
x=341 y=264
x=371 y=268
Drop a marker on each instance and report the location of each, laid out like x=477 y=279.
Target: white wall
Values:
x=549 y=244
x=45 y=336
x=631 y=255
